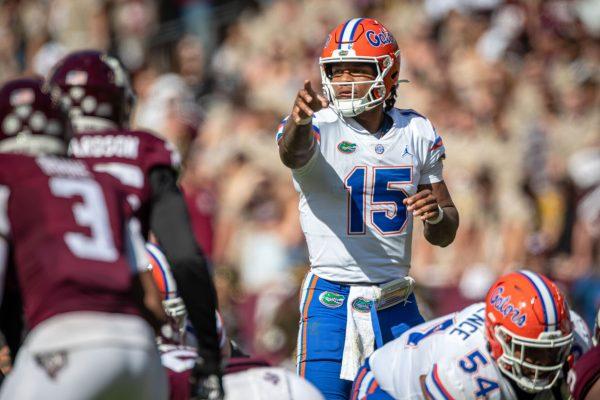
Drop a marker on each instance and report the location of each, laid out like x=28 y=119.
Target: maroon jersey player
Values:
x=97 y=92
x=76 y=258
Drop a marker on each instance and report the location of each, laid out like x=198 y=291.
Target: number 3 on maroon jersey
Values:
x=90 y=213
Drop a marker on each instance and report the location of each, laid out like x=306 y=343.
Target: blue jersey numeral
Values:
x=472 y=361
x=485 y=386
x=355 y=184
x=471 y=364
x=415 y=337
x=383 y=193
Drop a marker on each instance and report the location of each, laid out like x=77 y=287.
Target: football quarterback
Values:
x=363 y=170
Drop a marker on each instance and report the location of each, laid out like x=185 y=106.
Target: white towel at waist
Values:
x=360 y=338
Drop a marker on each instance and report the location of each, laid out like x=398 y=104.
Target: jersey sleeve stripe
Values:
x=279 y=135
x=358 y=382
x=317 y=134
x=437 y=143
x=438 y=383
x=373 y=386
x=159 y=262
x=365 y=385
x=280 y=129
x=430 y=395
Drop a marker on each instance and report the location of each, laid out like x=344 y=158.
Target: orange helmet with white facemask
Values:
x=361 y=40
x=528 y=328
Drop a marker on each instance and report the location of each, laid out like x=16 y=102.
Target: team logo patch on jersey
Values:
x=347 y=147
x=361 y=304
x=331 y=300
x=379 y=149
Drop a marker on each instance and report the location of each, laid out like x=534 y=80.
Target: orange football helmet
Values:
x=361 y=40
x=528 y=328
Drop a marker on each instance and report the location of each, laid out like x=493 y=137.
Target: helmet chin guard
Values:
x=529 y=376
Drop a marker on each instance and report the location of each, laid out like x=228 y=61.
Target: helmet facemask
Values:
x=375 y=95
x=518 y=353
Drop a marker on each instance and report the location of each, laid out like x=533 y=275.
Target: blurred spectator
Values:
x=169 y=109
x=201 y=199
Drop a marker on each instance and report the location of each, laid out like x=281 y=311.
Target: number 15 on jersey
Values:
x=375 y=197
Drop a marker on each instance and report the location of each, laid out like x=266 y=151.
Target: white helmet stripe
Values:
x=550 y=310
x=348 y=33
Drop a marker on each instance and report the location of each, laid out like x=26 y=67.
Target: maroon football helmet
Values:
x=92 y=84
x=30 y=121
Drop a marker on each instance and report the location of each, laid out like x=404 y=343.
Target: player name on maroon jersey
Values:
x=129 y=156
x=125 y=146
x=63 y=167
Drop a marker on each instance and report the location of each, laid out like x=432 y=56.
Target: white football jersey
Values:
x=351 y=193
x=451 y=352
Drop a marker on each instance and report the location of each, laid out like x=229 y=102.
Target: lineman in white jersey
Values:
x=363 y=169
x=513 y=346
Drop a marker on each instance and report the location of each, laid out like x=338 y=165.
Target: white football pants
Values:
x=88 y=355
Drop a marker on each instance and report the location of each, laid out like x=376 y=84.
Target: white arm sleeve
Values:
x=136 y=251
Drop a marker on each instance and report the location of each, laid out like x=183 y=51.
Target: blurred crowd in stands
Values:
x=511 y=86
